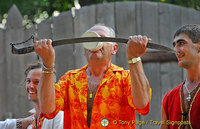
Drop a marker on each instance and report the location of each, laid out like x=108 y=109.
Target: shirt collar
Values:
x=112 y=68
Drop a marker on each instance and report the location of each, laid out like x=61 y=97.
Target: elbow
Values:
x=142 y=105
x=47 y=108
x=147 y=98
x=144 y=99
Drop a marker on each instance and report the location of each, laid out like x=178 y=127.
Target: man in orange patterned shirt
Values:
x=100 y=94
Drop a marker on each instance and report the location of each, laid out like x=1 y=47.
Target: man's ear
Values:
x=114 y=48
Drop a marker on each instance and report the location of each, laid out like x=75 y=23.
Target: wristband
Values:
x=48 y=72
x=134 y=60
x=18 y=124
x=46 y=67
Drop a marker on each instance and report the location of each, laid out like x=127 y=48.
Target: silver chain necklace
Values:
x=189 y=95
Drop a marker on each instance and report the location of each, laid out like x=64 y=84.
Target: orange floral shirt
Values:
x=113 y=100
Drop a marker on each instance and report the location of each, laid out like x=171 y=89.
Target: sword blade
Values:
x=28 y=49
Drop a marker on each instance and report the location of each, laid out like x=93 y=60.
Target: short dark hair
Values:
x=191 y=30
x=31 y=67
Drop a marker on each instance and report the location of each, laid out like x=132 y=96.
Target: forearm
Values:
x=46 y=90
x=25 y=122
x=47 y=99
x=139 y=85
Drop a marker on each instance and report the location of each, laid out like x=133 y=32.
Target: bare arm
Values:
x=46 y=90
x=26 y=121
x=164 y=118
x=21 y=123
x=136 y=46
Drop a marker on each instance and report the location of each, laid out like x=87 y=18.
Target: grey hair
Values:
x=112 y=32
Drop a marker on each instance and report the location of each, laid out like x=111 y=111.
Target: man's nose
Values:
x=177 y=48
x=31 y=85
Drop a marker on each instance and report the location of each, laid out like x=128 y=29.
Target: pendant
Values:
x=188 y=98
x=90 y=95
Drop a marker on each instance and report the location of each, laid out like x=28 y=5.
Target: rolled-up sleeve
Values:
x=8 y=124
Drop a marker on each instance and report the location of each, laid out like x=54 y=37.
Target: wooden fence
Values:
x=156 y=20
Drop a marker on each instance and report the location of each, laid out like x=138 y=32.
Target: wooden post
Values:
x=124 y=29
x=16 y=96
x=63 y=28
x=31 y=57
x=147 y=24
x=3 y=102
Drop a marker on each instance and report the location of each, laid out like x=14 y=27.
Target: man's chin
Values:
x=183 y=64
x=33 y=100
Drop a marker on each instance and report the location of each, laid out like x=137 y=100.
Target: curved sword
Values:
x=28 y=49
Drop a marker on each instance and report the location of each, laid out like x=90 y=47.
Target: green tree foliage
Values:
x=42 y=9
x=195 y=4
x=33 y=8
